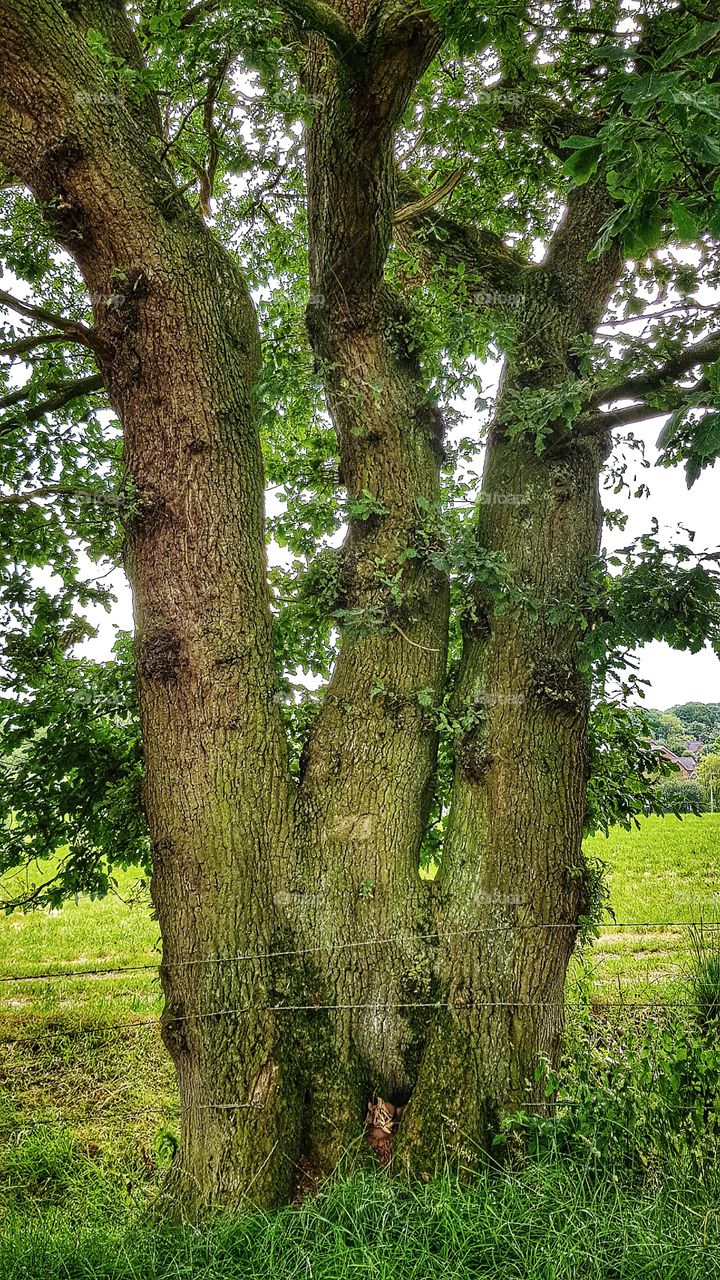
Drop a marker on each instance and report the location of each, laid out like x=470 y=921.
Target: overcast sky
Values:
x=673 y=677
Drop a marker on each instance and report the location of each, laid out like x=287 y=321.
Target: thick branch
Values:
x=536 y=115
x=313 y=15
x=629 y=415
x=32 y=496
x=583 y=283
x=495 y=275
x=641 y=385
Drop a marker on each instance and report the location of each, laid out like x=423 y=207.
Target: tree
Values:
x=306 y=965
x=708 y=775
x=669 y=728
x=700 y=719
x=681 y=796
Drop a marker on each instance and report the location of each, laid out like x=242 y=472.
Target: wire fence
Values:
x=45 y=1029
x=52 y=1035
x=406 y=939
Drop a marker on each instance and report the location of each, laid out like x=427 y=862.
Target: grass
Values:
x=547 y=1223
x=663 y=872
x=62 y=1058
x=88 y=1116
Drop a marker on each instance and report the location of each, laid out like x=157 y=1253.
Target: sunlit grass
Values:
x=663 y=872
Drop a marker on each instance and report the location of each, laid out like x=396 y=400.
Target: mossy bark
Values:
x=512 y=882
x=306 y=966
x=369 y=764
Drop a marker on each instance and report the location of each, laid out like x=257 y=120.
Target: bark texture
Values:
x=439 y=999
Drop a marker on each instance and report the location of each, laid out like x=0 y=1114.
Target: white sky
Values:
x=673 y=677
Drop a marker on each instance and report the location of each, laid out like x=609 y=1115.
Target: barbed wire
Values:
x=358 y=943
x=170 y=1111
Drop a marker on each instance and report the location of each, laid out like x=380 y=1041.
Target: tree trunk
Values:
x=369 y=765
x=512 y=881
x=306 y=967
x=178 y=346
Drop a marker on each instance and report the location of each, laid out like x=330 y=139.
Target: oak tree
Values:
x=270 y=246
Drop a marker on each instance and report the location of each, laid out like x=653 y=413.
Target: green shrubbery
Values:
x=680 y=795
x=640 y=1085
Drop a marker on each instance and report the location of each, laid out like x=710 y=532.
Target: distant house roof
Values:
x=694 y=748
x=687 y=765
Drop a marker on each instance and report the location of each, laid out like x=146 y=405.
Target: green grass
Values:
x=87 y=1119
x=666 y=870
x=62 y=1057
x=547 y=1223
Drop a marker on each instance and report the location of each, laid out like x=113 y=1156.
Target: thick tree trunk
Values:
x=512 y=882
x=218 y=791
x=369 y=765
x=178 y=346
x=306 y=967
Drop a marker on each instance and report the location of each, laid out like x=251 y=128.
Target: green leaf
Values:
x=694 y=40
x=581 y=165
x=684 y=220
x=706 y=438
x=667 y=434
x=704 y=146
x=644 y=231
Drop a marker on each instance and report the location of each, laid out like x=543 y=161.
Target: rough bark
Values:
x=512 y=880
x=278 y=1061
x=180 y=357
x=369 y=765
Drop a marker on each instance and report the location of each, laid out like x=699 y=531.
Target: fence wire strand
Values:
x=353 y=944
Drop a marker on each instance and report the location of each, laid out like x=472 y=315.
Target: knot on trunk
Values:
x=160 y=657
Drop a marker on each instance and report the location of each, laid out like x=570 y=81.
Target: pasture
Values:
x=88 y=1116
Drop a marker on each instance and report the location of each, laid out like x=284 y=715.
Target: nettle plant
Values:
x=257 y=249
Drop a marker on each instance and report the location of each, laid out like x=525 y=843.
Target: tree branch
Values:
x=33 y=496
x=629 y=415
x=521 y=110
x=64 y=394
x=314 y=15
x=423 y=204
x=74 y=330
x=23 y=345
x=584 y=282
x=489 y=266
x=641 y=385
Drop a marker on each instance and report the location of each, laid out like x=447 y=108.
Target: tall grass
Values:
x=704 y=973
x=547 y=1223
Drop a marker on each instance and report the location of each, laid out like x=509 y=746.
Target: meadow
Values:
x=88 y=1116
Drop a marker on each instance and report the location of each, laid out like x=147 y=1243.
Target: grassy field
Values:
x=88 y=1111
x=663 y=873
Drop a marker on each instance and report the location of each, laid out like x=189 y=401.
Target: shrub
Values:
x=704 y=975
x=631 y=1096
x=680 y=795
